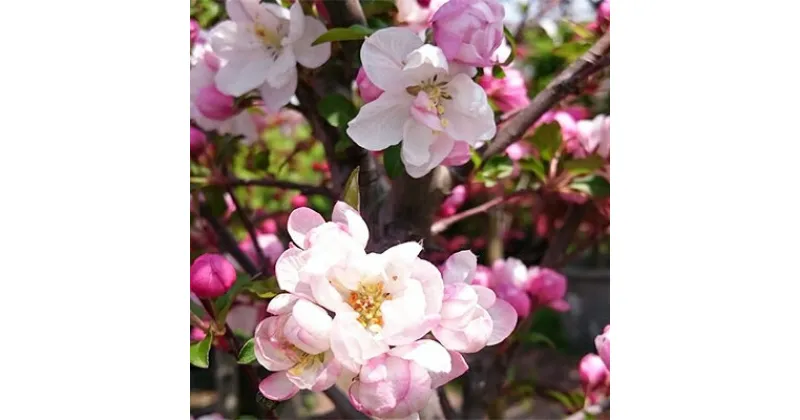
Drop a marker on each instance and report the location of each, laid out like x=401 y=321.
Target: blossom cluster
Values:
x=595 y=369
x=422 y=95
x=390 y=320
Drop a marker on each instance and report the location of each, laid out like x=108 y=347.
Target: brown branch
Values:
x=227 y=242
x=447 y=408
x=443 y=224
x=248 y=225
x=289 y=185
x=562 y=238
x=566 y=82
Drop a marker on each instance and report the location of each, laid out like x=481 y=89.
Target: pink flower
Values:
x=472 y=317
x=269 y=243
x=517 y=151
x=604 y=12
x=469 y=31
x=417 y=14
x=368 y=91
x=548 y=288
x=483 y=274
x=460 y=154
x=214 y=104
x=295 y=344
x=594 y=136
x=398 y=384
x=511 y=281
x=244 y=317
x=603 y=344
x=211 y=275
x=269 y=226
x=457 y=197
x=194 y=31
x=299 y=201
x=594 y=377
x=508 y=93
x=198 y=142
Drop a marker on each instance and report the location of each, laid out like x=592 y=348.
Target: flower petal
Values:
x=278 y=387
x=351 y=343
x=300 y=222
x=504 y=319
x=469 y=115
x=282 y=304
x=329 y=374
x=297 y=24
x=326 y=294
x=280 y=72
x=427 y=353
x=251 y=11
x=379 y=124
x=402 y=314
x=308 y=56
x=229 y=39
x=308 y=328
x=276 y=98
x=383 y=56
x=243 y=72
x=439 y=149
x=287 y=271
x=486 y=297
x=431 y=280
x=423 y=64
x=416 y=140
x=460 y=268
x=457 y=368
x=349 y=217
x=267 y=352
x=469 y=339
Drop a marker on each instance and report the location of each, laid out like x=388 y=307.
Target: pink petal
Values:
x=351 y=343
x=278 y=387
x=349 y=217
x=504 y=320
x=312 y=56
x=457 y=368
x=431 y=279
x=329 y=374
x=301 y=221
x=469 y=339
x=460 y=268
x=404 y=314
x=308 y=328
x=486 y=297
x=267 y=351
x=287 y=271
x=427 y=353
x=383 y=53
x=560 y=305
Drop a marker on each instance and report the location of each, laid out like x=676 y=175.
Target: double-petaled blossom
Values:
x=603 y=344
x=548 y=287
x=594 y=376
x=211 y=109
x=472 y=316
x=427 y=105
x=211 y=275
x=260 y=47
x=399 y=383
x=469 y=31
x=511 y=282
x=594 y=136
x=295 y=344
x=508 y=93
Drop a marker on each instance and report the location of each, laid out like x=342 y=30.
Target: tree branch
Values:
x=447 y=408
x=443 y=224
x=289 y=185
x=248 y=225
x=226 y=240
x=343 y=405
x=593 y=60
x=558 y=246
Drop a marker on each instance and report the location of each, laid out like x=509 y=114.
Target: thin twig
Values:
x=227 y=242
x=447 y=408
x=289 y=185
x=562 y=238
x=343 y=405
x=195 y=321
x=443 y=224
x=566 y=82
x=248 y=225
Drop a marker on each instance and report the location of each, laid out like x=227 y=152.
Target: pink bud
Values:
x=424 y=3
x=483 y=274
x=517 y=297
x=594 y=377
x=269 y=226
x=457 y=243
x=447 y=211
x=214 y=104
x=198 y=142
x=194 y=31
x=603 y=344
x=457 y=196
x=368 y=91
x=299 y=201
x=548 y=288
x=211 y=275
x=469 y=31
x=604 y=11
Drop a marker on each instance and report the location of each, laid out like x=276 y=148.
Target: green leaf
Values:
x=353 y=33
x=392 y=162
x=584 y=166
x=343 y=144
x=536 y=338
x=215 y=197
x=547 y=139
x=247 y=354
x=264 y=289
x=223 y=303
x=495 y=168
x=565 y=400
x=351 y=194
x=198 y=355
x=376 y=7
x=594 y=185
x=571 y=51
x=534 y=165
x=261 y=160
x=511 y=43
x=337 y=110
x=497 y=72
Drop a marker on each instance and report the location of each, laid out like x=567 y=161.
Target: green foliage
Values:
x=247 y=354
x=215 y=198
x=377 y=7
x=497 y=72
x=511 y=43
x=392 y=162
x=264 y=289
x=495 y=168
x=351 y=193
x=198 y=352
x=534 y=337
x=584 y=166
x=337 y=110
x=534 y=165
x=223 y=303
x=547 y=139
x=594 y=185
x=353 y=33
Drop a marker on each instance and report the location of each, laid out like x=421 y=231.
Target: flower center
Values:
x=437 y=94
x=270 y=39
x=304 y=360
x=367 y=302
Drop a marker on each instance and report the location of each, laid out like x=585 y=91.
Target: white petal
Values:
x=383 y=54
x=287 y=269
x=228 y=39
x=379 y=124
x=457 y=368
x=352 y=344
x=250 y=11
x=348 y=216
x=402 y=312
x=469 y=116
x=300 y=222
x=460 y=268
x=431 y=279
x=504 y=319
x=243 y=72
x=486 y=297
x=315 y=321
x=276 y=98
x=439 y=150
x=416 y=140
x=427 y=353
x=282 y=70
x=308 y=56
x=326 y=294
x=278 y=387
x=282 y=304
x=297 y=24
x=423 y=64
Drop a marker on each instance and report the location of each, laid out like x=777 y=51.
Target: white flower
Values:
x=260 y=47
x=427 y=103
